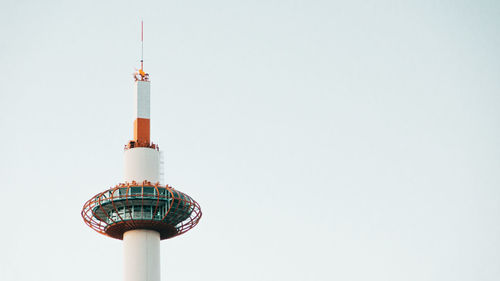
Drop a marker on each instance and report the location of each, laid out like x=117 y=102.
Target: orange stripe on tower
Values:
x=141 y=130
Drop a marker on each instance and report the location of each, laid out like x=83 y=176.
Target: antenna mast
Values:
x=140 y=75
x=142 y=45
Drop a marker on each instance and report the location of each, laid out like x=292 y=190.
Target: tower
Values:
x=141 y=211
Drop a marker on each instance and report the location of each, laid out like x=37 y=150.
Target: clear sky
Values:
x=324 y=140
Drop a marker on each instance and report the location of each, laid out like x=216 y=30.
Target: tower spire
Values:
x=140 y=75
x=142 y=45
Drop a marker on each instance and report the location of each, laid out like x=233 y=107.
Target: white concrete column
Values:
x=142 y=163
x=142 y=255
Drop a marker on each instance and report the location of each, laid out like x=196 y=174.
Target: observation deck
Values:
x=141 y=206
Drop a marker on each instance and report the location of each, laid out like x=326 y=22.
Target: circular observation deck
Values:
x=141 y=206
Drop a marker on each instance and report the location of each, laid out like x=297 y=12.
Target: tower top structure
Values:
x=141 y=202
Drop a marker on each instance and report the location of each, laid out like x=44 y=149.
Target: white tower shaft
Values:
x=142 y=255
x=142 y=246
x=142 y=163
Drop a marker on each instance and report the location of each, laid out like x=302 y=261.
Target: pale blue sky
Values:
x=324 y=140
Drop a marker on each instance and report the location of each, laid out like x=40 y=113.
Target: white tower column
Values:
x=142 y=255
x=142 y=163
x=141 y=246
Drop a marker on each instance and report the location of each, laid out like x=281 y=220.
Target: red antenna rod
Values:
x=142 y=45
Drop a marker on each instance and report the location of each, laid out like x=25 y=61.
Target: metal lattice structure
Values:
x=141 y=206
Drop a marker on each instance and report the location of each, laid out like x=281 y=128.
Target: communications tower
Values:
x=142 y=210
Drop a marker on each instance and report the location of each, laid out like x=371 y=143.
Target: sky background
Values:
x=324 y=140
